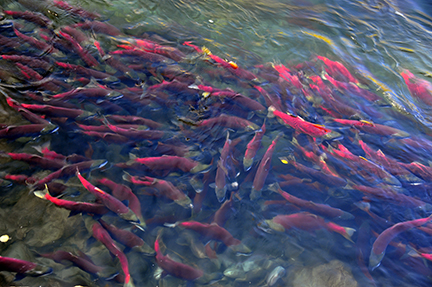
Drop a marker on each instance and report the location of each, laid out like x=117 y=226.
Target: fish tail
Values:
x=200 y=168
x=128 y=281
x=274 y=187
x=126 y=177
x=348 y=233
x=41 y=148
x=44 y=194
x=275 y=226
x=270 y=114
x=365 y=206
x=332 y=135
x=255 y=194
x=188 y=121
x=141 y=223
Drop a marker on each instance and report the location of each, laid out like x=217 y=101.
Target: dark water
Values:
x=379 y=42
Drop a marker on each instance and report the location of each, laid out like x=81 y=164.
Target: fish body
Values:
x=308 y=222
x=327 y=179
x=13 y=132
x=419 y=88
x=227 y=121
x=78 y=261
x=164 y=188
x=108 y=200
x=222 y=171
x=122 y=119
x=372 y=128
x=169 y=163
x=299 y=124
x=174 y=268
x=421 y=170
x=35 y=63
x=84 y=71
x=137 y=134
x=103 y=236
x=30 y=16
x=96 y=92
x=389 y=164
x=211 y=231
x=76 y=207
x=354 y=89
x=252 y=148
x=263 y=170
x=380 y=245
x=127 y=238
x=38 y=160
x=78 y=11
x=123 y=192
x=23 y=266
x=337 y=70
x=386 y=193
x=33 y=118
x=54 y=111
x=323 y=209
x=270 y=99
x=40 y=45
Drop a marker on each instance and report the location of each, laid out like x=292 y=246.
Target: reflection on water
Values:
x=261 y=143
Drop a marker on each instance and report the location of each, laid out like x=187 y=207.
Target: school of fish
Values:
x=203 y=167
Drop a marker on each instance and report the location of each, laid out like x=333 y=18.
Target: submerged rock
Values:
x=332 y=274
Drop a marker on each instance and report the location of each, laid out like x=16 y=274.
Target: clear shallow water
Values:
x=375 y=40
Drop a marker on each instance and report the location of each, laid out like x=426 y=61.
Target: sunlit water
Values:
x=376 y=40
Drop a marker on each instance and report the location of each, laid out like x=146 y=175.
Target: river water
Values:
x=379 y=42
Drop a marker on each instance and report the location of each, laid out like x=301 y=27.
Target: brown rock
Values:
x=332 y=274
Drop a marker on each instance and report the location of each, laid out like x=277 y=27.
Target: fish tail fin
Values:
x=187 y=121
x=255 y=194
x=348 y=233
x=45 y=97
x=141 y=225
x=357 y=139
x=126 y=176
x=41 y=148
x=410 y=252
x=413 y=253
x=274 y=187
x=333 y=135
x=271 y=109
x=200 y=168
x=42 y=193
x=128 y=281
x=363 y=205
x=274 y=226
x=170 y=225
x=132 y=158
